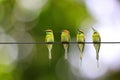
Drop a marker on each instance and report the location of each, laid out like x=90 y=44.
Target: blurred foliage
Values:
x=61 y=14
x=6 y=8
x=56 y=15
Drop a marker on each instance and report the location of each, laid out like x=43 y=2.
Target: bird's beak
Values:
x=46 y=30
x=93 y=29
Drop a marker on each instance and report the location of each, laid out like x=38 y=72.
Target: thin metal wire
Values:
x=57 y=42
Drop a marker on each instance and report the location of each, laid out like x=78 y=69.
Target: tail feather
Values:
x=50 y=56
x=97 y=63
x=66 y=50
x=49 y=49
x=66 y=57
x=81 y=55
x=97 y=58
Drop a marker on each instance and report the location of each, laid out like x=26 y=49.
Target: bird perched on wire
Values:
x=49 y=39
x=65 y=39
x=81 y=42
x=97 y=42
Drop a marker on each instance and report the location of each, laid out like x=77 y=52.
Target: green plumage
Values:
x=49 y=39
x=81 y=42
x=97 y=42
x=65 y=39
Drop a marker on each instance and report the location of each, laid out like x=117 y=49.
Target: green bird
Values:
x=97 y=42
x=81 y=42
x=65 y=39
x=49 y=39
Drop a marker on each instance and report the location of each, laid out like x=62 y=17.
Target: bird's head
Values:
x=80 y=32
x=95 y=31
x=48 y=31
x=66 y=31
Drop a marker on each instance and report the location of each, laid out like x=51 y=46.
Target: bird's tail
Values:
x=66 y=51
x=50 y=56
x=66 y=54
x=49 y=49
x=81 y=55
x=97 y=58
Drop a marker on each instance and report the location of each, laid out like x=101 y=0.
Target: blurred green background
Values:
x=25 y=21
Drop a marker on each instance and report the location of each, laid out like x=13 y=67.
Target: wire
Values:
x=58 y=42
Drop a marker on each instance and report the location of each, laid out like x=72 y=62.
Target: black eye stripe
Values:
x=80 y=32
